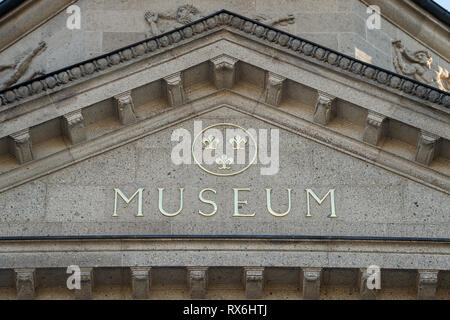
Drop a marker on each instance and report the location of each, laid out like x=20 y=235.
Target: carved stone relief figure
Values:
x=280 y=20
x=21 y=69
x=173 y=19
x=161 y=22
x=418 y=65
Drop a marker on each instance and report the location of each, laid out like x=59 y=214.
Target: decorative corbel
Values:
x=175 y=91
x=274 y=88
x=374 y=129
x=323 y=111
x=426 y=147
x=73 y=127
x=21 y=146
x=224 y=71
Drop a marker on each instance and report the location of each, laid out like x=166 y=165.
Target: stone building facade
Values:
x=224 y=150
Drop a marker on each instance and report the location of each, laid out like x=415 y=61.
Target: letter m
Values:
x=128 y=200
x=319 y=201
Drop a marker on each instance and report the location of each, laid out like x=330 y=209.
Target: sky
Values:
x=444 y=3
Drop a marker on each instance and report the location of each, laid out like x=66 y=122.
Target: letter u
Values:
x=160 y=202
x=269 y=205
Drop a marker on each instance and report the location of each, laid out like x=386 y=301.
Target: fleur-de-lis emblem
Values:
x=210 y=142
x=223 y=162
x=238 y=142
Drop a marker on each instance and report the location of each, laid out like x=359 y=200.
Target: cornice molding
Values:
x=59 y=79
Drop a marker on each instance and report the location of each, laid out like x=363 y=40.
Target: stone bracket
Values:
x=427 y=281
x=25 y=283
x=364 y=292
x=73 y=127
x=254 y=282
x=374 y=129
x=311 y=283
x=175 y=90
x=86 y=284
x=21 y=146
x=197 y=278
x=323 y=111
x=125 y=108
x=224 y=71
x=141 y=282
x=426 y=148
x=274 y=88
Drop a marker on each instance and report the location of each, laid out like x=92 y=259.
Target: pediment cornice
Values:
x=361 y=71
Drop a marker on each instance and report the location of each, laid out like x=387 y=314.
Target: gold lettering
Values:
x=200 y=196
x=127 y=201
x=237 y=202
x=269 y=206
x=160 y=202
x=319 y=201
